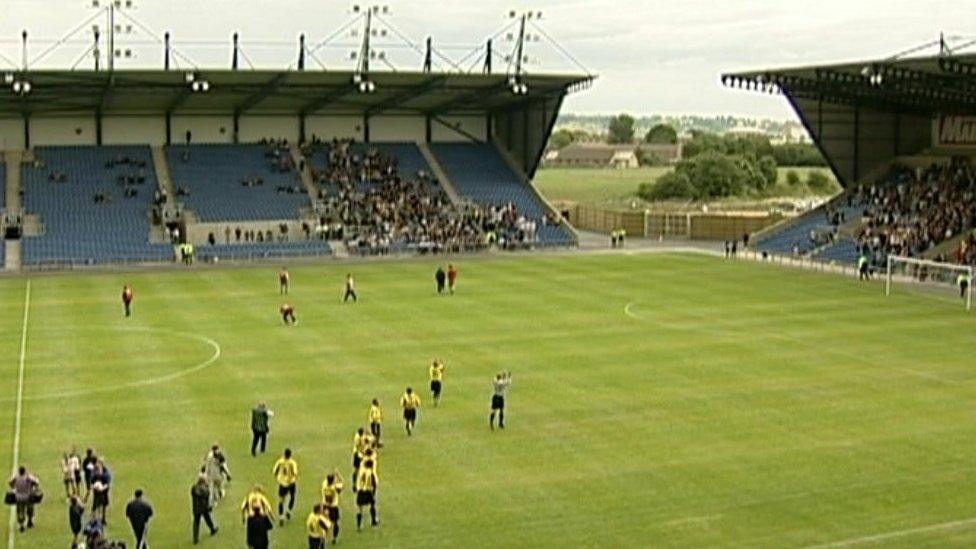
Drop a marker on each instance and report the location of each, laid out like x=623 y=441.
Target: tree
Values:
x=621 y=129
x=661 y=134
x=560 y=139
x=669 y=185
x=767 y=167
x=792 y=178
x=818 y=181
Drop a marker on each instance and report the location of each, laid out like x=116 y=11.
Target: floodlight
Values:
x=357 y=78
x=205 y=86
x=8 y=78
x=190 y=77
x=95 y=3
x=355 y=8
x=26 y=87
x=16 y=86
x=195 y=86
x=371 y=86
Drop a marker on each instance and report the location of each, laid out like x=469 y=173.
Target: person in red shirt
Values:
x=283 y=280
x=451 y=277
x=127 y=299
x=288 y=314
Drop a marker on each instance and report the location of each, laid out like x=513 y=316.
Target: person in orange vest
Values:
x=127 y=299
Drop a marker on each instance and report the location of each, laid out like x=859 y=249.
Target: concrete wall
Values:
x=397 y=128
x=133 y=130
x=474 y=125
x=11 y=133
x=256 y=128
x=206 y=129
x=68 y=130
x=327 y=127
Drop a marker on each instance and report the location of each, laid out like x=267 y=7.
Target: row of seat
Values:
x=87 y=218
x=213 y=174
x=480 y=174
x=796 y=236
x=263 y=250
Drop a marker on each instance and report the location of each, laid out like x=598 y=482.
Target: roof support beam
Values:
x=406 y=95
x=268 y=89
x=325 y=100
x=464 y=99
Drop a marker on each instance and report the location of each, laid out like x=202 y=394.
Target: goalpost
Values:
x=931 y=275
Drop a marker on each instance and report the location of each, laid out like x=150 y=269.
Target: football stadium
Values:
x=318 y=306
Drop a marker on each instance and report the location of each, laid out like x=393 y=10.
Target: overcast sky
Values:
x=652 y=56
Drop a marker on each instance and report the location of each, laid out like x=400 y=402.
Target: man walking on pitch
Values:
x=127 y=299
x=283 y=280
x=138 y=511
x=25 y=488
x=331 y=488
x=436 y=376
x=863 y=269
x=286 y=472
x=500 y=386
x=259 y=427
x=366 y=484
x=963 y=281
x=375 y=420
x=440 y=277
x=410 y=402
x=350 y=289
x=200 y=497
x=216 y=473
x=452 y=273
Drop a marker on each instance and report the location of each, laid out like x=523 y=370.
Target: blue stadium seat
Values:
x=79 y=231
x=782 y=241
x=479 y=173
x=3 y=199
x=844 y=250
x=213 y=174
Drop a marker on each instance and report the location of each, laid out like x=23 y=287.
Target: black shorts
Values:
x=410 y=414
x=497 y=402
x=100 y=499
x=286 y=490
x=78 y=477
x=365 y=497
x=333 y=514
x=356 y=460
x=435 y=387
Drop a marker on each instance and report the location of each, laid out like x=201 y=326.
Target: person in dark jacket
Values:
x=259 y=427
x=200 y=495
x=440 y=276
x=258 y=526
x=76 y=516
x=139 y=511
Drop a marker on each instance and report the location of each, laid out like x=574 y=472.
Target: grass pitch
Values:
x=659 y=399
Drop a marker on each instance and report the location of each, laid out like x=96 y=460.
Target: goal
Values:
x=929 y=277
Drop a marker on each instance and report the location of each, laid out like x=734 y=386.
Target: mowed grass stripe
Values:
x=748 y=405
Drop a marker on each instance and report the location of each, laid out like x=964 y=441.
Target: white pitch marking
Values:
x=142 y=382
x=18 y=415
x=896 y=534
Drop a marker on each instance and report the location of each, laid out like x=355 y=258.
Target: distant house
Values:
x=594 y=155
x=662 y=154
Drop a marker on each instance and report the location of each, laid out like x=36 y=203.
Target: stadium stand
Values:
x=234 y=182
x=265 y=250
x=480 y=174
x=3 y=204
x=94 y=205
x=815 y=232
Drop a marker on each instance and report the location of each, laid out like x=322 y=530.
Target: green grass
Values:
x=601 y=186
x=737 y=404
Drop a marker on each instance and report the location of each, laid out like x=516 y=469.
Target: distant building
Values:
x=601 y=155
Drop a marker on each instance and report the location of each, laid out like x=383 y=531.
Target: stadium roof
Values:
x=943 y=84
x=272 y=92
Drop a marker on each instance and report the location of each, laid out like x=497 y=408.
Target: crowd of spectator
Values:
x=916 y=209
x=376 y=208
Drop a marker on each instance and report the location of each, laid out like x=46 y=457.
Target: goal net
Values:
x=933 y=278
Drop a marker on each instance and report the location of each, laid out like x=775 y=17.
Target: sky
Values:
x=650 y=56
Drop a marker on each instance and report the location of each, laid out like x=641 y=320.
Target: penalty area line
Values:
x=19 y=409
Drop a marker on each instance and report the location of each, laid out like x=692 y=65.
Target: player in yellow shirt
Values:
x=375 y=420
x=286 y=472
x=366 y=484
x=410 y=402
x=317 y=525
x=256 y=501
x=331 y=488
x=436 y=376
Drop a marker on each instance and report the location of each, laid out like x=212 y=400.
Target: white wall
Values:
x=68 y=130
x=11 y=133
x=474 y=125
x=327 y=127
x=206 y=129
x=255 y=128
x=397 y=128
x=134 y=130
